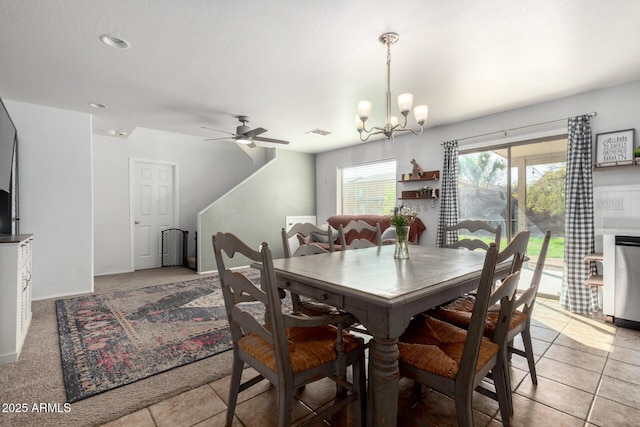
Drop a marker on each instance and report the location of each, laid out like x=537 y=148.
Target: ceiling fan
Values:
x=245 y=135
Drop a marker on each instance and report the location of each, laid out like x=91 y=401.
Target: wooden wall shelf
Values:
x=415 y=195
x=426 y=176
x=598 y=167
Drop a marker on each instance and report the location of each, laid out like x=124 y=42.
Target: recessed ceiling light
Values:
x=97 y=105
x=114 y=41
x=114 y=132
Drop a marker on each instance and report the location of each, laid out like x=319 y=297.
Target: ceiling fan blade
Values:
x=276 y=141
x=218 y=130
x=219 y=139
x=255 y=132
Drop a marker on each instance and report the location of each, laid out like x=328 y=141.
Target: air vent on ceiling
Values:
x=319 y=132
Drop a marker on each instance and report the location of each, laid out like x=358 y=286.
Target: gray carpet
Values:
x=37 y=377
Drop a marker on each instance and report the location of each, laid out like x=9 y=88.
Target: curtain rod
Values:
x=591 y=114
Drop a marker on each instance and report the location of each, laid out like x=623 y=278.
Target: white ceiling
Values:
x=297 y=65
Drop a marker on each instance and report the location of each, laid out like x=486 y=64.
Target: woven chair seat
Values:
x=435 y=346
x=308 y=347
x=458 y=312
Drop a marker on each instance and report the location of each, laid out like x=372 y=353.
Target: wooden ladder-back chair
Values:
x=308 y=306
x=523 y=308
x=305 y=233
x=454 y=361
x=473 y=226
x=459 y=311
x=358 y=226
x=290 y=351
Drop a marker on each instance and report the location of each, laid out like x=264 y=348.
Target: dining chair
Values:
x=473 y=226
x=526 y=300
x=308 y=306
x=307 y=233
x=290 y=351
x=358 y=226
x=459 y=312
x=454 y=361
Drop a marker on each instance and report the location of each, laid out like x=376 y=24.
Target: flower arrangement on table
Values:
x=403 y=216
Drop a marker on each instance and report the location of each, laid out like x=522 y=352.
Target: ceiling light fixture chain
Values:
x=405 y=102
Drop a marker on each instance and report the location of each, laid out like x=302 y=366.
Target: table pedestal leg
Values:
x=383 y=382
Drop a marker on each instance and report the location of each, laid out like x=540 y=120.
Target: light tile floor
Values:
x=588 y=375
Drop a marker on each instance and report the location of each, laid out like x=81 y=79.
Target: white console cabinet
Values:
x=15 y=294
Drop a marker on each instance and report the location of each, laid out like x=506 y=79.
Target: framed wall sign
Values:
x=614 y=148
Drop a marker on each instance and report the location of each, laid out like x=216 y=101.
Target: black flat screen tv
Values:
x=8 y=173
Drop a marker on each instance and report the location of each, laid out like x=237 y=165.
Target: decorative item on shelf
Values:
x=405 y=101
x=426 y=192
x=615 y=148
x=416 y=173
x=636 y=155
x=402 y=218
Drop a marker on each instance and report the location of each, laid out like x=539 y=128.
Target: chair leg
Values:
x=341 y=370
x=528 y=350
x=359 y=383
x=500 y=380
x=464 y=407
x=507 y=378
x=285 y=403
x=234 y=387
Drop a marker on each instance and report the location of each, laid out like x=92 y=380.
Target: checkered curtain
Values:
x=579 y=224
x=448 y=194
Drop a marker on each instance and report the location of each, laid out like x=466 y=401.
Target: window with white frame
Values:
x=367 y=188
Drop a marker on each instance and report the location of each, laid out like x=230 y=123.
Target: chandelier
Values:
x=405 y=101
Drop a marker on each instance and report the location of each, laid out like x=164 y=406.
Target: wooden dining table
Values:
x=384 y=294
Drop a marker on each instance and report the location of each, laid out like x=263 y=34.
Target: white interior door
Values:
x=153 y=210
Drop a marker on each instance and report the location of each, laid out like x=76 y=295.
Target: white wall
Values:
x=617 y=109
x=257 y=208
x=55 y=196
x=206 y=171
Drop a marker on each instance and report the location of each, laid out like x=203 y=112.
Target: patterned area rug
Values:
x=110 y=340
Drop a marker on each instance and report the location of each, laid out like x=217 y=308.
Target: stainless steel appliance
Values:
x=627 y=287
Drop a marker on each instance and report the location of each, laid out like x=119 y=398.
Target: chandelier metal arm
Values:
x=370 y=134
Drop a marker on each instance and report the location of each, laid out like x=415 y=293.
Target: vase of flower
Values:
x=402 y=245
x=401 y=218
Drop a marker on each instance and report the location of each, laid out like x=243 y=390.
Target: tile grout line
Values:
x=593 y=401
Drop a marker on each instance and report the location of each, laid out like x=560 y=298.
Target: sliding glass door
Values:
x=520 y=187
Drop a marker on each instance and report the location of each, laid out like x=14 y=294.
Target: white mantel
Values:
x=619 y=231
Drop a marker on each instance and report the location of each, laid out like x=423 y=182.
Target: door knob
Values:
x=136 y=222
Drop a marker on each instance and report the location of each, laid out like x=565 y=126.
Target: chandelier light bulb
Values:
x=364 y=110
x=359 y=123
x=421 y=112
x=394 y=121
x=405 y=101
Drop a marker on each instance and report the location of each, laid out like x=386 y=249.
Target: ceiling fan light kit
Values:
x=405 y=102
x=243 y=139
